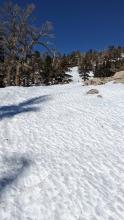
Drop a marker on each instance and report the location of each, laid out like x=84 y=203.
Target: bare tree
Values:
x=20 y=38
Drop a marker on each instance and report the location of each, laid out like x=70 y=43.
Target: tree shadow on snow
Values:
x=30 y=105
x=16 y=169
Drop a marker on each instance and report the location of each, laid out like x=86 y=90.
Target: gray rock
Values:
x=92 y=91
x=99 y=96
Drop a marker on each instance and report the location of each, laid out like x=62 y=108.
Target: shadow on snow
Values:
x=17 y=167
x=9 y=111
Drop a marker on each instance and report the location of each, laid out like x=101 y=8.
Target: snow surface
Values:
x=62 y=153
x=91 y=75
x=74 y=73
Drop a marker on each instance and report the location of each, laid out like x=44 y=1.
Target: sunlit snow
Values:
x=62 y=152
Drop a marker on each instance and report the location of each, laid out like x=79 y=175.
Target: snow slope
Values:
x=62 y=153
x=74 y=73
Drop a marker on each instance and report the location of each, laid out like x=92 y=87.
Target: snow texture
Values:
x=62 y=152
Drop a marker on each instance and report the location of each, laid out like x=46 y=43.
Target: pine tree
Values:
x=85 y=67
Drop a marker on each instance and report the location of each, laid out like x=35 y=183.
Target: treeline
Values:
x=102 y=63
x=20 y=63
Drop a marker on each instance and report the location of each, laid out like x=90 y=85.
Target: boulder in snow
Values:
x=99 y=96
x=92 y=91
x=119 y=75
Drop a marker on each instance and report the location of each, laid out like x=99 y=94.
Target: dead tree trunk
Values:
x=17 y=77
x=9 y=76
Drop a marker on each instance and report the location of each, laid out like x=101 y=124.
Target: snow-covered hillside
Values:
x=62 y=153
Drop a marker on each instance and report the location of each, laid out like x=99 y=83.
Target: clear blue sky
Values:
x=82 y=24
